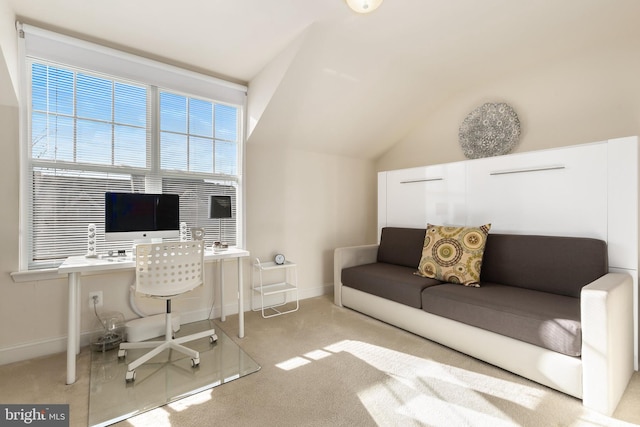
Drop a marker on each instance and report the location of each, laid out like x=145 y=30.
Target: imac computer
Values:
x=141 y=217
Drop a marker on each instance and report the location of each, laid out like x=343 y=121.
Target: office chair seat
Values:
x=166 y=270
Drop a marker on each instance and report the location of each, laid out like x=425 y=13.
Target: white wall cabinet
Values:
x=588 y=190
x=622 y=194
x=553 y=192
x=433 y=192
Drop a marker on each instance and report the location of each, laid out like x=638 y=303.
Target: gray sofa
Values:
x=547 y=308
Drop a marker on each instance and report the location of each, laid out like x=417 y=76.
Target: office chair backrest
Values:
x=167 y=269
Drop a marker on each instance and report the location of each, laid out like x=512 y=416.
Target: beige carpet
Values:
x=328 y=366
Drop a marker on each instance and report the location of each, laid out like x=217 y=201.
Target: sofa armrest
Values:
x=607 y=340
x=350 y=257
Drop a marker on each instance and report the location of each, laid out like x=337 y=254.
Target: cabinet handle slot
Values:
x=539 y=169
x=412 y=181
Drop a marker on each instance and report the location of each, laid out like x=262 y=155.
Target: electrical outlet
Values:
x=98 y=295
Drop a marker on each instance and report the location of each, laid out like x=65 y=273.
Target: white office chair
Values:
x=165 y=270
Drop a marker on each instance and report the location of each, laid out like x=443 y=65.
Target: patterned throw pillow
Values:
x=453 y=254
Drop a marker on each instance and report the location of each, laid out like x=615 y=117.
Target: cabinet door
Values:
x=623 y=203
x=554 y=192
x=430 y=194
x=382 y=202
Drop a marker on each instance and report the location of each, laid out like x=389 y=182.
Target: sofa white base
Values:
x=555 y=370
x=599 y=377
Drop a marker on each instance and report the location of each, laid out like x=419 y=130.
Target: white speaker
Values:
x=92 y=251
x=183 y=231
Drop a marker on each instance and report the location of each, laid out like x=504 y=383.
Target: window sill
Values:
x=36 y=275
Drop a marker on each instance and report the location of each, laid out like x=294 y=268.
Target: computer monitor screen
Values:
x=141 y=216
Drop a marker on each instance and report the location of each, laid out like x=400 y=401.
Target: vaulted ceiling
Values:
x=329 y=80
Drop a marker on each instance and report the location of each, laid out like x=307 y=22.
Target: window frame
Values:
x=153 y=173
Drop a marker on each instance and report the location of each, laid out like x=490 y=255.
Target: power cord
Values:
x=95 y=310
x=109 y=339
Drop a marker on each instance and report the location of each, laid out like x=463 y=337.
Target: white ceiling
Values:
x=356 y=83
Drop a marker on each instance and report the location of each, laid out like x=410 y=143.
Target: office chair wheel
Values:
x=122 y=353
x=131 y=376
x=213 y=338
x=195 y=362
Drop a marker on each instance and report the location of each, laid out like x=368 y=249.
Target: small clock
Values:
x=279 y=259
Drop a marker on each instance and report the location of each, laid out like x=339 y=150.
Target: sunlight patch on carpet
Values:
x=293 y=363
x=417 y=371
x=317 y=354
x=187 y=402
x=413 y=384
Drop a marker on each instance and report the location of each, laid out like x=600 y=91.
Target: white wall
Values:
x=13 y=297
x=8 y=56
x=591 y=96
x=304 y=205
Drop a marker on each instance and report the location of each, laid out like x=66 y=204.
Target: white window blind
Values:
x=64 y=203
x=194 y=206
x=89 y=132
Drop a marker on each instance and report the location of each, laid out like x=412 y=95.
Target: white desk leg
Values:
x=78 y=297
x=72 y=327
x=221 y=281
x=240 y=301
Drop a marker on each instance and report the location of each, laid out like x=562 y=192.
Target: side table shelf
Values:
x=287 y=288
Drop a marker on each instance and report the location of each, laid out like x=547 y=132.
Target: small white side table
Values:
x=287 y=288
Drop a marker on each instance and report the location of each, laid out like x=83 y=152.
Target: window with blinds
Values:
x=91 y=133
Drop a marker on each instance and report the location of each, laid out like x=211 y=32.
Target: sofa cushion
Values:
x=390 y=281
x=453 y=254
x=547 y=320
x=401 y=246
x=561 y=265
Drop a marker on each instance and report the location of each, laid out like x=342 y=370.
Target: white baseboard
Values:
x=34 y=349
x=318 y=291
x=46 y=347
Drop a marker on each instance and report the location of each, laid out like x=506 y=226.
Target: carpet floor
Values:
x=329 y=366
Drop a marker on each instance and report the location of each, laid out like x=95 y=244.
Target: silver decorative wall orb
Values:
x=489 y=130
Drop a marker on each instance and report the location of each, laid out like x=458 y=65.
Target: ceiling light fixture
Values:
x=364 y=6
